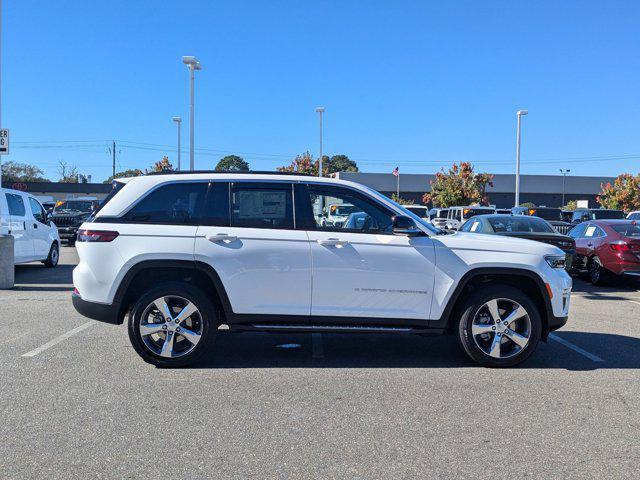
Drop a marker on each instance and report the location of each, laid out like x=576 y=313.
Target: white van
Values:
x=36 y=238
x=456 y=216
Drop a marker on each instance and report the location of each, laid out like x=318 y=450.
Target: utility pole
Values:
x=564 y=176
x=113 y=151
x=519 y=113
x=320 y=110
x=193 y=64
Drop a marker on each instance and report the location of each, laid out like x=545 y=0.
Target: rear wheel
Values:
x=54 y=256
x=172 y=325
x=499 y=326
x=597 y=273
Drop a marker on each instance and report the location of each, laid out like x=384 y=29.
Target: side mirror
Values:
x=49 y=216
x=403 y=225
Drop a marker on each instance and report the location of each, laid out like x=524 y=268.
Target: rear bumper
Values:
x=66 y=233
x=108 y=313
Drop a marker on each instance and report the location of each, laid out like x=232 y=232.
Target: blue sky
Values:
x=415 y=84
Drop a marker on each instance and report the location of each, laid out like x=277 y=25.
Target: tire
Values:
x=54 y=256
x=183 y=351
x=476 y=318
x=597 y=273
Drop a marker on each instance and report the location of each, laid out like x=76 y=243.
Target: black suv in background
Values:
x=585 y=214
x=68 y=215
x=552 y=215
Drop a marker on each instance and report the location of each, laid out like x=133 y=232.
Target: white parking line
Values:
x=59 y=339
x=316 y=345
x=575 y=348
x=633 y=301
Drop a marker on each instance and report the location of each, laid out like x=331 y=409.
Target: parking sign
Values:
x=4 y=141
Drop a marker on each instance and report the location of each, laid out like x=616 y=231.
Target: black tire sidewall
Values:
x=194 y=295
x=471 y=305
x=603 y=273
x=49 y=261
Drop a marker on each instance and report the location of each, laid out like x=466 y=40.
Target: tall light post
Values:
x=564 y=176
x=520 y=113
x=193 y=64
x=178 y=120
x=320 y=110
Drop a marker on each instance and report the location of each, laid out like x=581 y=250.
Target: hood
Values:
x=497 y=243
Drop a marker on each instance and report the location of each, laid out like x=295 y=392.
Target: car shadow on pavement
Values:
x=619 y=285
x=269 y=350
x=36 y=277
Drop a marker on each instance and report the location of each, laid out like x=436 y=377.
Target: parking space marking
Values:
x=575 y=348
x=633 y=301
x=316 y=345
x=58 y=339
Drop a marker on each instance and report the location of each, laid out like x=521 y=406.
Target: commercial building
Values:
x=538 y=189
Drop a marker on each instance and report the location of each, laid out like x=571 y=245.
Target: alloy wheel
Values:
x=501 y=328
x=595 y=270
x=171 y=326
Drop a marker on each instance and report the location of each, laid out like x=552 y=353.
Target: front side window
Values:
x=16 y=205
x=37 y=210
x=172 y=204
x=361 y=214
x=257 y=205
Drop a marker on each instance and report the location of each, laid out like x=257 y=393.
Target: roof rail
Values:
x=241 y=172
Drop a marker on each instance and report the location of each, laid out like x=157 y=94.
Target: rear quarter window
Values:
x=179 y=203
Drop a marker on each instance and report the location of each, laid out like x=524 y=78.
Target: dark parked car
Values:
x=607 y=248
x=530 y=228
x=552 y=215
x=586 y=214
x=68 y=215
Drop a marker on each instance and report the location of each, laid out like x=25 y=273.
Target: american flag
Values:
x=396 y=171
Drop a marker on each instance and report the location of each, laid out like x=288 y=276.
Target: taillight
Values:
x=621 y=246
x=96 y=235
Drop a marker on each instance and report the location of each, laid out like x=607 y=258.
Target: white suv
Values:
x=182 y=254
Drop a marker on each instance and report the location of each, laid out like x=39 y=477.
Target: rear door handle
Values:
x=333 y=242
x=221 y=237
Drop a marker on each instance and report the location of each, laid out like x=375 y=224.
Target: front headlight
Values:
x=556 y=261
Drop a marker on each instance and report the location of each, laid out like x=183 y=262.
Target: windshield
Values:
x=606 y=214
x=74 y=206
x=343 y=210
x=627 y=229
x=520 y=224
x=472 y=212
x=547 y=213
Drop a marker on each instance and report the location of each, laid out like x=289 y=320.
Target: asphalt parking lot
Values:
x=77 y=402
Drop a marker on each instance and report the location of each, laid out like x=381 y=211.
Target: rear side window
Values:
x=262 y=205
x=16 y=205
x=173 y=204
x=627 y=229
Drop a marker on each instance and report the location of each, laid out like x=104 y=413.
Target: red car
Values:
x=606 y=248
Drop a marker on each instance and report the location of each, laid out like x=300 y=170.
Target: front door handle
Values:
x=332 y=242
x=221 y=237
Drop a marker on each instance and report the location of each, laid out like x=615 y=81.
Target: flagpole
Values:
x=398 y=185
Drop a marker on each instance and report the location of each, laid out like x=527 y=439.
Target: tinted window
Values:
x=173 y=204
x=627 y=229
x=75 y=206
x=634 y=216
x=421 y=212
x=547 y=213
x=262 y=205
x=472 y=212
x=606 y=214
x=16 y=205
x=37 y=210
x=576 y=232
x=520 y=223
x=366 y=216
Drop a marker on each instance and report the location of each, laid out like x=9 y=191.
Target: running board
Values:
x=332 y=328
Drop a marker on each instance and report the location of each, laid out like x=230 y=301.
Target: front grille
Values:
x=66 y=220
x=563 y=229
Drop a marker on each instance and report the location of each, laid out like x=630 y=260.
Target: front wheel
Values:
x=172 y=325
x=54 y=256
x=500 y=326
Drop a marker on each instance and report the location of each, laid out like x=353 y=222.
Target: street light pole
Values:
x=564 y=176
x=178 y=120
x=193 y=64
x=320 y=110
x=520 y=113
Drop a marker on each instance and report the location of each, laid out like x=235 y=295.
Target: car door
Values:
x=18 y=216
x=576 y=233
x=248 y=236
x=39 y=229
x=366 y=272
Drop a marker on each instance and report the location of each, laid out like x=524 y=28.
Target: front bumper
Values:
x=108 y=313
x=67 y=233
x=557 y=322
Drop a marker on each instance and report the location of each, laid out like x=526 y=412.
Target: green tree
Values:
x=459 y=186
x=232 y=163
x=400 y=200
x=135 y=172
x=13 y=172
x=162 y=166
x=571 y=205
x=624 y=194
x=528 y=205
x=338 y=163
